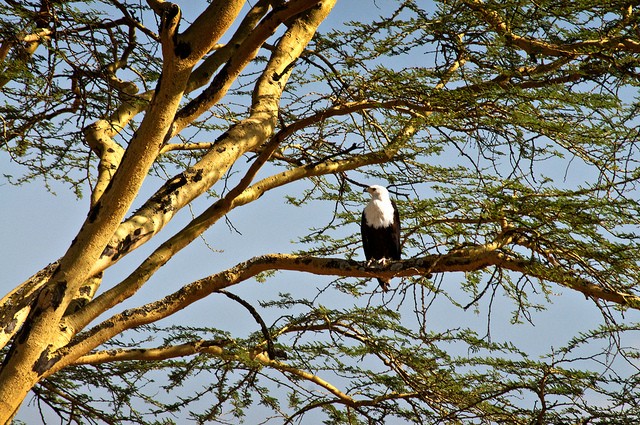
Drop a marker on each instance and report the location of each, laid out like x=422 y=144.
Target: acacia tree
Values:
x=467 y=109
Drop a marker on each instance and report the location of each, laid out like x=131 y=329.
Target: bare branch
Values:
x=243 y=56
x=203 y=146
x=271 y=351
x=153 y=354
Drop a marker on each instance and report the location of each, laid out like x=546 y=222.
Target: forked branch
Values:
x=460 y=260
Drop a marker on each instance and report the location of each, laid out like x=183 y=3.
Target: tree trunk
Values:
x=34 y=346
x=36 y=350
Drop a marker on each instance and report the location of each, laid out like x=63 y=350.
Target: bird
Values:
x=380 y=229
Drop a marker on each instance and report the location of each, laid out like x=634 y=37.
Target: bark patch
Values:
x=182 y=50
x=45 y=362
x=10 y=327
x=93 y=213
x=58 y=293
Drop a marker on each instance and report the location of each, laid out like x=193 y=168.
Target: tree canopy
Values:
x=506 y=132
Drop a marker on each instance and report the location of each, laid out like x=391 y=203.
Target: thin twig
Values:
x=271 y=352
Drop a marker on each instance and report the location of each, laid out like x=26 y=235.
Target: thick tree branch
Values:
x=244 y=54
x=215 y=348
x=203 y=34
x=461 y=260
x=16 y=304
x=245 y=136
x=223 y=54
x=535 y=46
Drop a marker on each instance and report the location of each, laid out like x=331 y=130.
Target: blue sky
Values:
x=37 y=227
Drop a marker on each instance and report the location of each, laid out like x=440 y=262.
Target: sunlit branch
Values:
x=201 y=75
x=536 y=46
x=243 y=55
x=307 y=376
x=153 y=354
x=207 y=29
x=204 y=146
x=461 y=260
x=15 y=306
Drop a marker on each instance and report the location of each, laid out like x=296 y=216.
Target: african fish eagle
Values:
x=380 y=227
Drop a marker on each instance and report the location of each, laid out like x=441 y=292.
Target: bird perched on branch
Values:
x=380 y=228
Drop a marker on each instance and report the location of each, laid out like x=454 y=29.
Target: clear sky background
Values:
x=38 y=226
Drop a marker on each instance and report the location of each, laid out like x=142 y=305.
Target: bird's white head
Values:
x=378 y=192
x=380 y=211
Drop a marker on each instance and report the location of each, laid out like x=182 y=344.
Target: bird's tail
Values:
x=384 y=284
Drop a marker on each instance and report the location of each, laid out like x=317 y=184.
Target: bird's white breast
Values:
x=379 y=213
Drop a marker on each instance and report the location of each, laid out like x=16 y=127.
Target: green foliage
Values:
x=389 y=371
x=533 y=145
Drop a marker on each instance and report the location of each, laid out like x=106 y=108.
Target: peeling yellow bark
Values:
x=31 y=355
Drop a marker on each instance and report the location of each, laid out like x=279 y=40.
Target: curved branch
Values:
x=461 y=260
x=15 y=306
x=271 y=351
x=243 y=55
x=203 y=34
x=203 y=72
x=215 y=348
x=535 y=46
